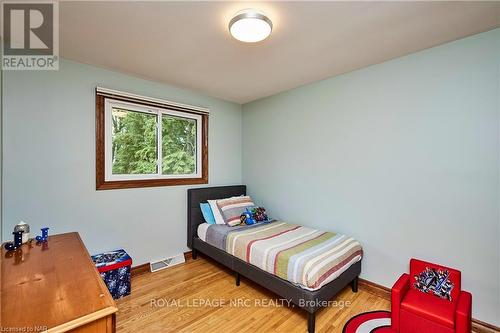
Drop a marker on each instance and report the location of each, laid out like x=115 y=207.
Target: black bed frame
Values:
x=311 y=300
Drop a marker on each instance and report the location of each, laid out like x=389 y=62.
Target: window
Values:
x=144 y=142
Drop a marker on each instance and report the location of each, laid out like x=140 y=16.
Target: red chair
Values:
x=430 y=300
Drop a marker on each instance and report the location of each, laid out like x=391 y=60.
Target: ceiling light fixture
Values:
x=250 y=26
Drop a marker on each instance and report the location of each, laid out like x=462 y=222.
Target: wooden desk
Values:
x=54 y=287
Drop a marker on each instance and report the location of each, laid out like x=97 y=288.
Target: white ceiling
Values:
x=187 y=44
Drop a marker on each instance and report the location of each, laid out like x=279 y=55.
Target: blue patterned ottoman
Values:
x=114 y=268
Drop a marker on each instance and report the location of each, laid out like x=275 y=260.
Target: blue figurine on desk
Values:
x=44 y=236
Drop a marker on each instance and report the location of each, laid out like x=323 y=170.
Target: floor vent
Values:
x=167 y=262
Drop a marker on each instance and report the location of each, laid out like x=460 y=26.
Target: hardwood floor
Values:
x=201 y=296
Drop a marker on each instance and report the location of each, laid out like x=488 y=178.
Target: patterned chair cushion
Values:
x=440 y=281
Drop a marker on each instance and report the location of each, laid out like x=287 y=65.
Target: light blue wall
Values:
x=49 y=162
x=403 y=155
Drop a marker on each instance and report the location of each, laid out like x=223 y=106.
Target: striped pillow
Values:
x=232 y=208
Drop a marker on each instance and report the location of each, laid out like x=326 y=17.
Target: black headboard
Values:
x=198 y=195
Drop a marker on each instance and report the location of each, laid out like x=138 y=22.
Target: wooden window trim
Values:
x=103 y=184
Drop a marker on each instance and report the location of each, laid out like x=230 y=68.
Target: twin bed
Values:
x=303 y=265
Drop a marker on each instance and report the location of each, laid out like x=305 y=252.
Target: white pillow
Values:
x=217 y=214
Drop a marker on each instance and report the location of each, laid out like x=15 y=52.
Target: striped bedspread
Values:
x=306 y=257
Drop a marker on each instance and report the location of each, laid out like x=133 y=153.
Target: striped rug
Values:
x=369 y=322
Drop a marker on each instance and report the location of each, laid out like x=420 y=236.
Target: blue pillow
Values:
x=208 y=215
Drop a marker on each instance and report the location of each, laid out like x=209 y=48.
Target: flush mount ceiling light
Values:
x=250 y=26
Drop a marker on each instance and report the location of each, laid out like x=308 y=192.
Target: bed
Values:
x=309 y=295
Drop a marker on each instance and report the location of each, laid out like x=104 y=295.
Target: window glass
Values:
x=178 y=145
x=134 y=142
